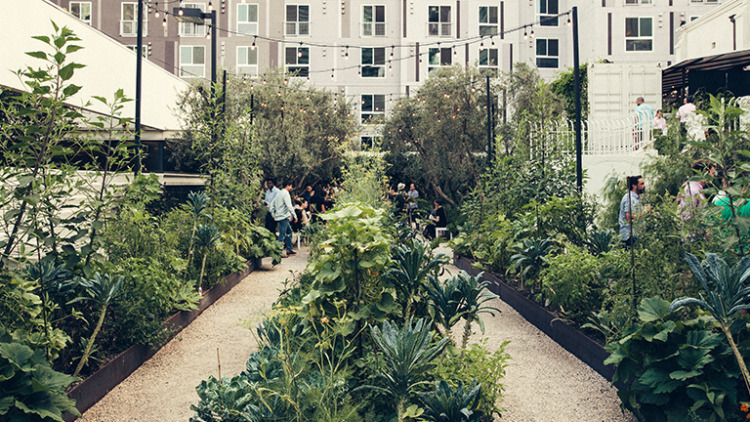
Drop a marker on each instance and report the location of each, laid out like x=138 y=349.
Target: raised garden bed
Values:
x=566 y=335
x=95 y=387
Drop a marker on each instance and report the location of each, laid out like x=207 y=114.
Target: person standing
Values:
x=283 y=211
x=411 y=202
x=660 y=123
x=271 y=191
x=630 y=206
x=644 y=115
x=685 y=110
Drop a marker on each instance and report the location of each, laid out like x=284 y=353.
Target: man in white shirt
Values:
x=271 y=191
x=686 y=109
x=282 y=211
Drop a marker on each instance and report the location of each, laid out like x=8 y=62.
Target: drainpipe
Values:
x=734 y=32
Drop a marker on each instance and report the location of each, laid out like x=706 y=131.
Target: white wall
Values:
x=599 y=168
x=109 y=64
x=712 y=33
x=614 y=87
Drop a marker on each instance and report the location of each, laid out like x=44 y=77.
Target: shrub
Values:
x=572 y=282
x=675 y=370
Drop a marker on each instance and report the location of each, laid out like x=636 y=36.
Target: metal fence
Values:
x=626 y=135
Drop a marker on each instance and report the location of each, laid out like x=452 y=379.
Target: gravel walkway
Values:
x=543 y=382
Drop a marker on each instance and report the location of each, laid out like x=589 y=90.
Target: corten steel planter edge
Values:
x=101 y=382
x=567 y=336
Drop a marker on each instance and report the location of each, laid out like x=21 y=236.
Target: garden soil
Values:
x=543 y=381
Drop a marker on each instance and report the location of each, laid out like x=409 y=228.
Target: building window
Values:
x=373 y=21
x=488 y=20
x=639 y=34
x=547 y=11
x=247 y=61
x=636 y=2
x=488 y=61
x=82 y=10
x=439 y=57
x=439 y=21
x=192 y=61
x=128 y=21
x=247 y=19
x=373 y=109
x=144 y=49
x=188 y=29
x=297 y=20
x=373 y=62
x=298 y=61
x=547 y=53
x=367 y=143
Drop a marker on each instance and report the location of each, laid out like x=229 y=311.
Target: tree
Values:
x=301 y=131
x=445 y=125
x=564 y=86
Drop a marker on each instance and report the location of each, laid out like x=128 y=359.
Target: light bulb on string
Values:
x=346 y=53
x=393 y=47
x=532 y=32
x=252 y=47
x=332 y=77
x=493 y=40
x=525 y=35
x=156 y=9
x=164 y=22
x=179 y=12
x=208 y=33
x=568 y=19
x=210 y=6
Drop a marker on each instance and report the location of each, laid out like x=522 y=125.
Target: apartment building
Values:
x=374 y=51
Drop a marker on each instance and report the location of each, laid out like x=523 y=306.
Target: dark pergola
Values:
x=722 y=73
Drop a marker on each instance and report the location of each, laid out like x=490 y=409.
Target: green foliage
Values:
x=445 y=301
x=727 y=295
x=408 y=353
x=350 y=259
x=531 y=258
x=564 y=86
x=570 y=216
x=364 y=179
x=670 y=368
x=447 y=404
x=32 y=390
x=409 y=271
x=474 y=301
x=445 y=124
x=477 y=364
x=572 y=282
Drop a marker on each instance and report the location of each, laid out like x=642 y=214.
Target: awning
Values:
x=722 y=72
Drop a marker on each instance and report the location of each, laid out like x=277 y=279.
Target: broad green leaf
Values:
x=653 y=309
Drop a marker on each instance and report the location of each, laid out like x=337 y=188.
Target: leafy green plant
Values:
x=32 y=390
x=572 y=282
x=725 y=297
x=408 y=352
x=445 y=301
x=531 y=258
x=474 y=298
x=600 y=241
x=206 y=237
x=197 y=205
x=477 y=364
x=446 y=404
x=103 y=290
x=409 y=270
x=671 y=368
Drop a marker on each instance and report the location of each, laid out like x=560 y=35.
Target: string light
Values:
x=180 y=12
x=332 y=77
x=568 y=19
x=252 y=47
x=525 y=35
x=156 y=9
x=532 y=32
x=346 y=54
x=393 y=47
x=164 y=22
x=210 y=6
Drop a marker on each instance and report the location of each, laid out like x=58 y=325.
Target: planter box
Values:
x=567 y=336
x=101 y=382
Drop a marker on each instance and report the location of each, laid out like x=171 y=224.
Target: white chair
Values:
x=440 y=231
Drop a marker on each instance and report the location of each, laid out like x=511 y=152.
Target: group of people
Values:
x=648 y=119
x=289 y=214
x=690 y=198
x=406 y=208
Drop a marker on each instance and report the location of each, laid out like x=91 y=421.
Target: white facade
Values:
x=715 y=33
x=109 y=65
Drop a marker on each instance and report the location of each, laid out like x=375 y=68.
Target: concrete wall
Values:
x=713 y=33
x=109 y=64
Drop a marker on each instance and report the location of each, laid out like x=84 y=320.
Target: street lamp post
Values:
x=138 y=67
x=198 y=17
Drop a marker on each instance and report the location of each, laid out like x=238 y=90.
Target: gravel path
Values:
x=543 y=381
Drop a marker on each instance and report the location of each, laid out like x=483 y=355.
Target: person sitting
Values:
x=437 y=218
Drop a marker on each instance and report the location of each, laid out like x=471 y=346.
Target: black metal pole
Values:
x=224 y=95
x=252 y=108
x=214 y=36
x=138 y=66
x=577 y=82
x=489 y=123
